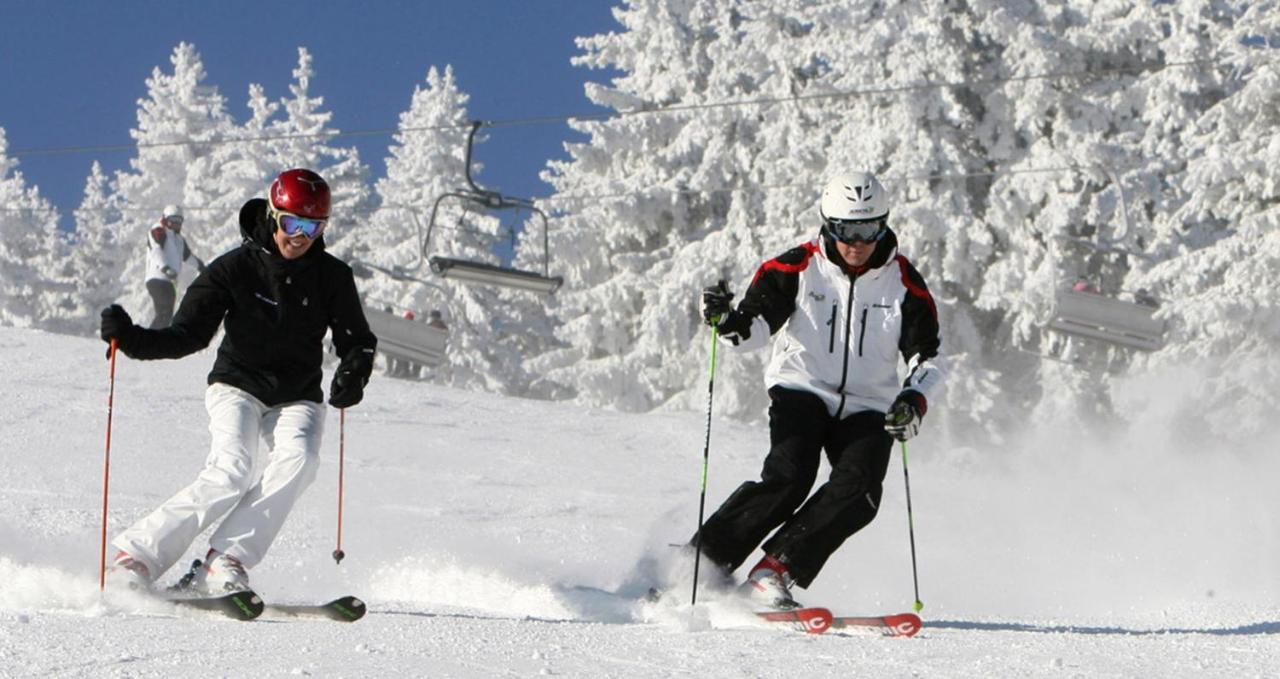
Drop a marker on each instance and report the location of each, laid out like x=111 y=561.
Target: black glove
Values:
x=904 y=416
x=716 y=303
x=118 y=326
x=717 y=311
x=348 y=382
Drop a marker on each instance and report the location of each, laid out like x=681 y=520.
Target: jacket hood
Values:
x=257 y=230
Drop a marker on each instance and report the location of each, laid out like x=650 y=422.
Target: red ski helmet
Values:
x=301 y=192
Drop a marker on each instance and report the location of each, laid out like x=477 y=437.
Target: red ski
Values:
x=901 y=625
x=811 y=620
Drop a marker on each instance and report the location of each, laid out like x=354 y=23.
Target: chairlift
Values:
x=478 y=272
x=407 y=340
x=1086 y=313
x=398 y=337
x=1089 y=314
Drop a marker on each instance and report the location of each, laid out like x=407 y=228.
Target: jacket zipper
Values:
x=831 y=344
x=862 y=333
x=848 y=334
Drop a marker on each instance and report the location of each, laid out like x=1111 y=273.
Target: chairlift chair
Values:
x=398 y=337
x=407 y=340
x=479 y=272
x=1110 y=320
x=1087 y=313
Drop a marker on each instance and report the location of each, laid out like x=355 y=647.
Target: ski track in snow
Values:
x=502 y=537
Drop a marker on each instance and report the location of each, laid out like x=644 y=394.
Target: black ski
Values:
x=244 y=605
x=344 y=609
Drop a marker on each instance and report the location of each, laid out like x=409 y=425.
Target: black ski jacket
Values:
x=275 y=312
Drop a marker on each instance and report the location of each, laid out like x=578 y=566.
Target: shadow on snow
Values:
x=1241 y=630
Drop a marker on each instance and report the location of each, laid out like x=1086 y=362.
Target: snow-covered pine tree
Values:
x=656 y=206
x=303 y=139
x=1014 y=137
x=426 y=161
x=178 y=113
x=99 y=253
x=232 y=173
x=34 y=285
x=1220 y=240
x=279 y=135
x=907 y=109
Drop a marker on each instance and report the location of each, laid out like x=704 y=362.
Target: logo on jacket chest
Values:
x=306 y=301
x=817 y=296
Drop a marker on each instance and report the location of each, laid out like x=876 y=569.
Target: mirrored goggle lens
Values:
x=175 y=221
x=856 y=231
x=294 y=225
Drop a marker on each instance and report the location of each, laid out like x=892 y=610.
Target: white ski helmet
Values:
x=171 y=211
x=856 y=196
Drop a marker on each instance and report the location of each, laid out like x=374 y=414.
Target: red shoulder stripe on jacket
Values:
x=776 y=264
x=913 y=287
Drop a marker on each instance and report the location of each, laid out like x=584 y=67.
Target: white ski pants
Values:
x=226 y=486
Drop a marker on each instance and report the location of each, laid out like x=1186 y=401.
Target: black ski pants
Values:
x=799 y=429
x=163 y=296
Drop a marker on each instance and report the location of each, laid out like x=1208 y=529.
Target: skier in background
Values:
x=166 y=252
x=846 y=305
x=410 y=369
x=275 y=296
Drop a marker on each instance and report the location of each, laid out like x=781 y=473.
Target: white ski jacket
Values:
x=166 y=249
x=840 y=331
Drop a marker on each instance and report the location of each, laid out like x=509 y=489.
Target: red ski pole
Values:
x=106 y=472
x=338 y=554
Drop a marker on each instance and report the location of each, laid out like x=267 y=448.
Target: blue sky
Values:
x=71 y=72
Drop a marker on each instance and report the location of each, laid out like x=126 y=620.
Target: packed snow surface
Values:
x=501 y=537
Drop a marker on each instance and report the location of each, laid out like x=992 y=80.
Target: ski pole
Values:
x=338 y=554
x=106 y=471
x=706 y=456
x=911 y=529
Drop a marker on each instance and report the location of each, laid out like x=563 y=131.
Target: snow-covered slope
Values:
x=495 y=536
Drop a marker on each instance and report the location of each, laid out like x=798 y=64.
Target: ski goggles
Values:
x=293 y=225
x=857 y=230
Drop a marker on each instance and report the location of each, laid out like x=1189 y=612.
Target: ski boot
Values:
x=769 y=585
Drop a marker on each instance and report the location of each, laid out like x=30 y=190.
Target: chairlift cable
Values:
x=563 y=197
x=609 y=115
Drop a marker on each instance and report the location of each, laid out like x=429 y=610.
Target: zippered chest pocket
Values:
x=879 y=326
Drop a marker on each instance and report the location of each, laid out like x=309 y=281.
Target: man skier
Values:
x=845 y=304
x=166 y=251
x=275 y=296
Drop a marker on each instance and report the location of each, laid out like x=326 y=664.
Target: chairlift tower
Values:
x=479 y=272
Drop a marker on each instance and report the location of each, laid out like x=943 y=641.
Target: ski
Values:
x=811 y=620
x=244 y=605
x=343 y=609
x=901 y=625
